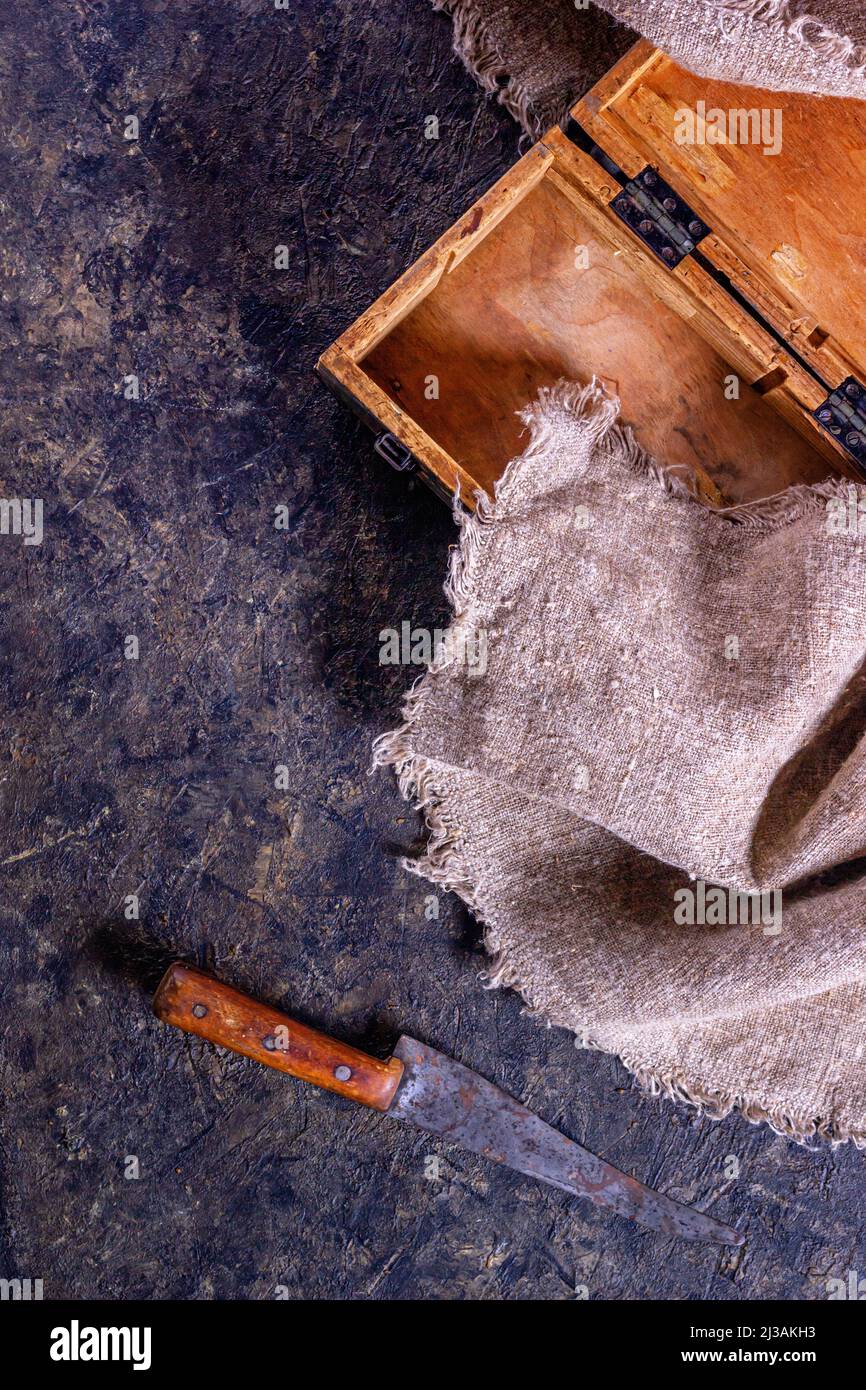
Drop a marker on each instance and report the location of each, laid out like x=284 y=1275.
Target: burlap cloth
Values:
x=671 y=710
x=540 y=55
x=669 y=694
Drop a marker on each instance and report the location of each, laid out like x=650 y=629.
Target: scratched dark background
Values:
x=259 y=648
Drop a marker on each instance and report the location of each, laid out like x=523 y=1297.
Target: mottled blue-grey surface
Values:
x=258 y=649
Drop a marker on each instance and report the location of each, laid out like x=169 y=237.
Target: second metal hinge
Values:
x=843 y=415
x=665 y=222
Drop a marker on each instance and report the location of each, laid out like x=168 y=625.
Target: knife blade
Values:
x=419 y=1086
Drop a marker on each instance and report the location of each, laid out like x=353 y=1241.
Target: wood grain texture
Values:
x=520 y=313
x=198 y=1003
x=795 y=219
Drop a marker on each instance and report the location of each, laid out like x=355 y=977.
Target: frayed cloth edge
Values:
x=443 y=860
x=476 y=47
x=807 y=29
x=713 y=1103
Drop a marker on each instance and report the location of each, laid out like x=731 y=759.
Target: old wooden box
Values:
x=718 y=289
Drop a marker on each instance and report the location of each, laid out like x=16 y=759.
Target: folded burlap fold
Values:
x=651 y=790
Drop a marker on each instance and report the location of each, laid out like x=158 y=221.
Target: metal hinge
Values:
x=389 y=447
x=647 y=204
x=843 y=415
x=665 y=222
x=659 y=216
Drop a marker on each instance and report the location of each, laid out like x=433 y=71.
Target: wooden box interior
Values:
x=517 y=314
x=539 y=281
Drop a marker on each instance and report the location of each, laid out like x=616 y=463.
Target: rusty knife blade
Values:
x=442 y=1096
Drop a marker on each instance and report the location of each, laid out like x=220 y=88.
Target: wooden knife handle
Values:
x=196 y=1002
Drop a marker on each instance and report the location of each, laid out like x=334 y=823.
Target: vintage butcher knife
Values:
x=425 y=1088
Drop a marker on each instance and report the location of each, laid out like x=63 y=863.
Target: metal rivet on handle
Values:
x=343 y=1073
x=199 y=1010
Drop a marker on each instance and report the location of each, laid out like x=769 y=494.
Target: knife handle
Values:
x=196 y=1002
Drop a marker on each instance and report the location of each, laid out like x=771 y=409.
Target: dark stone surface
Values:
x=258 y=648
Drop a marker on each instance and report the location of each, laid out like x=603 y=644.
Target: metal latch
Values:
x=843 y=415
x=659 y=216
x=389 y=447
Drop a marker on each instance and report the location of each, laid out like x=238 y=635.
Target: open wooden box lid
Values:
x=752 y=263
x=787 y=226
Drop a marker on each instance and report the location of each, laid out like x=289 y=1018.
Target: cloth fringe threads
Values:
x=538 y=58
x=808 y=29
x=579 y=449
